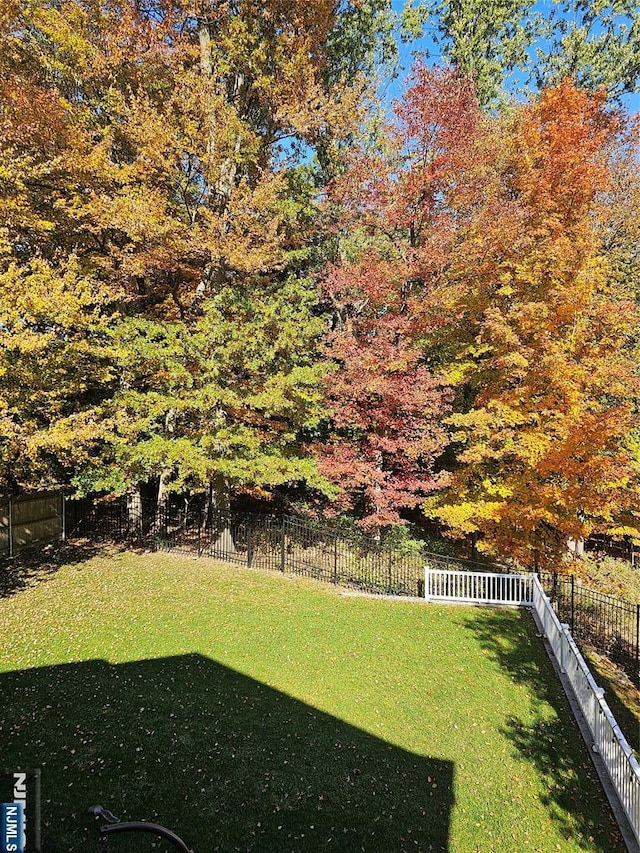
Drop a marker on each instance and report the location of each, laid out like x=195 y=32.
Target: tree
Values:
x=485 y=40
x=500 y=42
x=55 y=356
x=596 y=44
x=477 y=263
x=159 y=150
x=384 y=404
x=546 y=378
x=387 y=407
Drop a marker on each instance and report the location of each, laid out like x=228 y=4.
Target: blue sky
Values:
x=393 y=89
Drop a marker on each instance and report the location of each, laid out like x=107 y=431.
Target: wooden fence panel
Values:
x=31 y=520
x=5 y=533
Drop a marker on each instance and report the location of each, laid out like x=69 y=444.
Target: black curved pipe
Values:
x=145 y=826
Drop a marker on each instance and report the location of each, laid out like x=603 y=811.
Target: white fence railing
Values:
x=526 y=590
x=479 y=587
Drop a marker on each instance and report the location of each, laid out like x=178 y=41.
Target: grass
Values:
x=254 y=712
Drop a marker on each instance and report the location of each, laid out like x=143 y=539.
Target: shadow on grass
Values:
x=227 y=762
x=40 y=563
x=552 y=741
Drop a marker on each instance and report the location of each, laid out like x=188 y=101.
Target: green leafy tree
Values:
x=498 y=41
x=485 y=39
x=595 y=43
x=153 y=165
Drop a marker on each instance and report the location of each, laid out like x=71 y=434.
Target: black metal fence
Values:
x=285 y=543
x=117 y=520
x=621 y=549
x=609 y=625
x=344 y=557
x=294 y=545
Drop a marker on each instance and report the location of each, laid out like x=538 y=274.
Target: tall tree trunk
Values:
x=235 y=85
x=165 y=479
x=161 y=502
x=220 y=497
x=204 y=37
x=228 y=171
x=134 y=510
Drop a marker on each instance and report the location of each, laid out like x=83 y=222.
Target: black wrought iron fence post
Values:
x=638 y=644
x=335 y=558
x=283 y=544
x=11 y=549
x=573 y=603
x=249 y=545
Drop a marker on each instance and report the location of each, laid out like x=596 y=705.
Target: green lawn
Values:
x=256 y=712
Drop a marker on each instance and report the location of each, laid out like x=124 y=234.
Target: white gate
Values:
x=478 y=587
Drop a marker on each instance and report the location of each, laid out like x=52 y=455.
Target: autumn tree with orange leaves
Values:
x=543 y=446
x=481 y=240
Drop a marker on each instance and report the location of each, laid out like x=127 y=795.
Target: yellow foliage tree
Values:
x=543 y=359
x=154 y=175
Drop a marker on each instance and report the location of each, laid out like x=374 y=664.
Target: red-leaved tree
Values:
x=387 y=404
x=481 y=328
